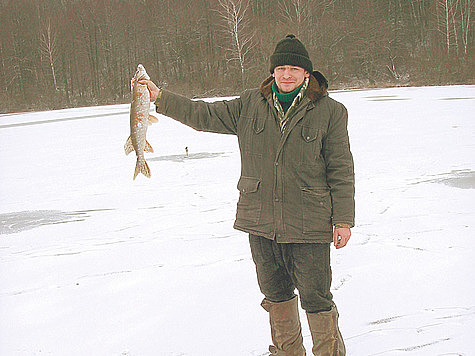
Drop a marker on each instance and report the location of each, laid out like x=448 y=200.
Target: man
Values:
x=296 y=189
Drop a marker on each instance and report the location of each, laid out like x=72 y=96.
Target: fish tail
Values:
x=142 y=167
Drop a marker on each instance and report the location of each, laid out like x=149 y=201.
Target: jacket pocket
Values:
x=249 y=205
x=309 y=134
x=259 y=124
x=251 y=139
x=317 y=210
x=311 y=144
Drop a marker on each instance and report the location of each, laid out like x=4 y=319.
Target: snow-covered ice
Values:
x=94 y=263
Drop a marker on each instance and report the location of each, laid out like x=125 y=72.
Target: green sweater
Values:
x=287 y=99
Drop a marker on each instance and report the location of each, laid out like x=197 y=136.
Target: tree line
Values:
x=65 y=53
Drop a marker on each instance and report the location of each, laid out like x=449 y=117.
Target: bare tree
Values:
x=447 y=21
x=466 y=8
x=236 y=23
x=447 y=24
x=296 y=14
x=455 y=23
x=48 y=49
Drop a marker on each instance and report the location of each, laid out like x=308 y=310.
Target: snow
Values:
x=94 y=263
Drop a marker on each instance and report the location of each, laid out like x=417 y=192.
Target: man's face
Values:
x=288 y=78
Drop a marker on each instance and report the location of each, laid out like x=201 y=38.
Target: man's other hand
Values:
x=341 y=235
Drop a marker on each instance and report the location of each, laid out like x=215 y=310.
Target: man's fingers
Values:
x=152 y=88
x=341 y=242
x=341 y=237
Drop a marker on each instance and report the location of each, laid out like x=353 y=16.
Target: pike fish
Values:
x=140 y=118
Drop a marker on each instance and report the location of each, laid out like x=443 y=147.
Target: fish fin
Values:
x=148 y=147
x=128 y=147
x=152 y=119
x=142 y=167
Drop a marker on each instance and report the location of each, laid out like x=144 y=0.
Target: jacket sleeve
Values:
x=340 y=167
x=217 y=117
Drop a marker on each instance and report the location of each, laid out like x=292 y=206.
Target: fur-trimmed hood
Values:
x=317 y=86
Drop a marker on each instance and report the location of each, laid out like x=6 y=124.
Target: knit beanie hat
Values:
x=290 y=51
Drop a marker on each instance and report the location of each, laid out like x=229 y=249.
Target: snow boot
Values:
x=285 y=328
x=327 y=339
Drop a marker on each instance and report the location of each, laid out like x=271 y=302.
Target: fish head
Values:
x=141 y=73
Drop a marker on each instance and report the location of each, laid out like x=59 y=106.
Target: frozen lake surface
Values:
x=94 y=263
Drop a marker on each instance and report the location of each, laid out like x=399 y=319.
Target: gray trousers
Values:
x=283 y=267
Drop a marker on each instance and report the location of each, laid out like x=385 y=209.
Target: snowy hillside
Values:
x=94 y=263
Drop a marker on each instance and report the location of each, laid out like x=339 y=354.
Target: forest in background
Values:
x=69 y=53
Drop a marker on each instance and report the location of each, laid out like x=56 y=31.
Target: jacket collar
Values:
x=317 y=86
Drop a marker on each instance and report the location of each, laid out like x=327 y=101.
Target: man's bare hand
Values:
x=152 y=88
x=341 y=235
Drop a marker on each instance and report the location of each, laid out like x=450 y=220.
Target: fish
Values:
x=140 y=119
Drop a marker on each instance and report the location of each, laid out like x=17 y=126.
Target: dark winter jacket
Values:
x=295 y=185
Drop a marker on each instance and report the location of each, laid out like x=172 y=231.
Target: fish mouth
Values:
x=140 y=76
x=141 y=73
